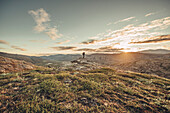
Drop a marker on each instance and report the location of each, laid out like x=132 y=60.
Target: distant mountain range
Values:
x=61 y=57
x=32 y=59
x=157 y=51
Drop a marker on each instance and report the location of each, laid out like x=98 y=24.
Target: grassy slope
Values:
x=102 y=90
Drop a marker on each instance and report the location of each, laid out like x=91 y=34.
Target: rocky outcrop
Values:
x=10 y=65
x=81 y=64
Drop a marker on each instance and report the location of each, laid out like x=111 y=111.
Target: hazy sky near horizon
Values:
x=40 y=27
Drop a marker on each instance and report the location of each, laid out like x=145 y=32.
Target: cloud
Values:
x=95 y=37
x=4 y=42
x=101 y=49
x=18 y=48
x=63 y=42
x=166 y=47
x=2 y=48
x=149 y=14
x=124 y=20
x=92 y=41
x=156 y=39
x=109 y=49
x=41 y=18
x=40 y=28
x=86 y=49
x=14 y=47
x=60 y=48
x=52 y=33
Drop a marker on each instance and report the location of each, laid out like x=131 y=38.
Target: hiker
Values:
x=83 y=54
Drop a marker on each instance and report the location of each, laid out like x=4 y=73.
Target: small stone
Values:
x=93 y=101
x=35 y=79
x=3 y=108
x=84 y=100
x=15 y=88
x=68 y=106
x=68 y=81
x=10 y=84
x=3 y=92
x=106 y=104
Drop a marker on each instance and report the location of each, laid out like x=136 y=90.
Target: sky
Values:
x=44 y=27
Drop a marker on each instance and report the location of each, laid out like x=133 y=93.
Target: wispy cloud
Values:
x=2 y=48
x=52 y=33
x=124 y=20
x=95 y=37
x=14 y=47
x=63 y=42
x=18 y=48
x=41 y=18
x=166 y=47
x=149 y=14
x=4 y=42
x=109 y=49
x=92 y=41
x=155 y=39
x=132 y=35
x=86 y=49
x=101 y=49
x=61 y=48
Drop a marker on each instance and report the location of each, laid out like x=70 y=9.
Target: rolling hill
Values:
x=158 y=64
x=32 y=59
x=10 y=65
x=156 y=51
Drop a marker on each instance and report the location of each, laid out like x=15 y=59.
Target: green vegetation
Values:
x=100 y=90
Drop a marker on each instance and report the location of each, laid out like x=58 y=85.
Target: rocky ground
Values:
x=81 y=64
x=159 y=67
x=142 y=63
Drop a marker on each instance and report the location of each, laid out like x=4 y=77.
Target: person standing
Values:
x=83 y=54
